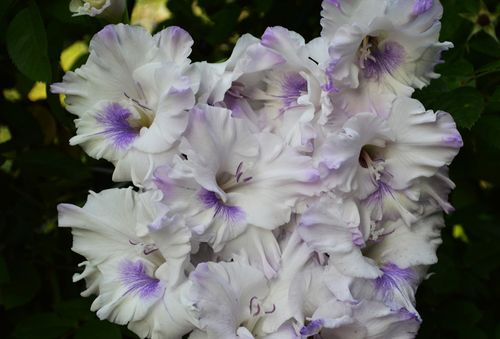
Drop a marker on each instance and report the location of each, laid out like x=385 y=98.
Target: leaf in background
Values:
x=27 y=44
x=225 y=22
x=465 y=104
x=75 y=309
x=98 y=329
x=51 y=163
x=4 y=5
x=486 y=45
x=493 y=104
x=488 y=129
x=42 y=326
x=456 y=73
x=23 y=286
x=489 y=68
x=4 y=272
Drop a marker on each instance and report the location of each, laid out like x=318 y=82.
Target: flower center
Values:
x=228 y=181
x=483 y=20
x=377 y=56
x=146 y=114
x=369 y=159
x=366 y=49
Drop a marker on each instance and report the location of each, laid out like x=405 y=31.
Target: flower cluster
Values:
x=295 y=190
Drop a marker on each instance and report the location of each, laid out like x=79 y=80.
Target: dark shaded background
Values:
x=38 y=169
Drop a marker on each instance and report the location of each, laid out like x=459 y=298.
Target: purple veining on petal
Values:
x=384 y=59
x=114 y=119
x=392 y=277
x=313 y=327
x=227 y=212
x=292 y=88
x=454 y=140
x=378 y=195
x=421 y=6
x=329 y=86
x=134 y=277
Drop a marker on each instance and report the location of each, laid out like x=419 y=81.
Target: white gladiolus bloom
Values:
x=294 y=191
x=131 y=96
x=380 y=40
x=371 y=153
x=139 y=281
x=223 y=168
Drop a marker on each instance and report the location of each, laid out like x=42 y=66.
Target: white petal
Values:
x=224 y=295
x=258 y=246
x=425 y=141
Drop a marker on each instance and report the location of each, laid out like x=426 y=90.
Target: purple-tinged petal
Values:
x=335 y=3
x=134 y=277
x=421 y=6
x=454 y=140
x=114 y=119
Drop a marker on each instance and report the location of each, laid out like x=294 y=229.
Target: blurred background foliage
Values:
x=38 y=169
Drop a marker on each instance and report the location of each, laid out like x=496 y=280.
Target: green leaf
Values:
x=457 y=73
x=465 y=104
x=4 y=271
x=488 y=129
x=74 y=309
x=24 y=284
x=27 y=44
x=492 y=67
x=97 y=329
x=51 y=163
x=42 y=326
x=494 y=101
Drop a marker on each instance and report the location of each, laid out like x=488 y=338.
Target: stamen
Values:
x=257 y=306
x=149 y=248
x=272 y=310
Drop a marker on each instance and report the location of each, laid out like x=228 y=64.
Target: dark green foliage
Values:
x=39 y=169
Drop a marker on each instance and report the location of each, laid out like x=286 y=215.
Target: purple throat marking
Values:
x=114 y=119
x=384 y=59
x=134 y=277
x=227 y=212
x=314 y=327
x=292 y=88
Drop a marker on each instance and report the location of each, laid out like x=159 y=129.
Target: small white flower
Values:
x=111 y=10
